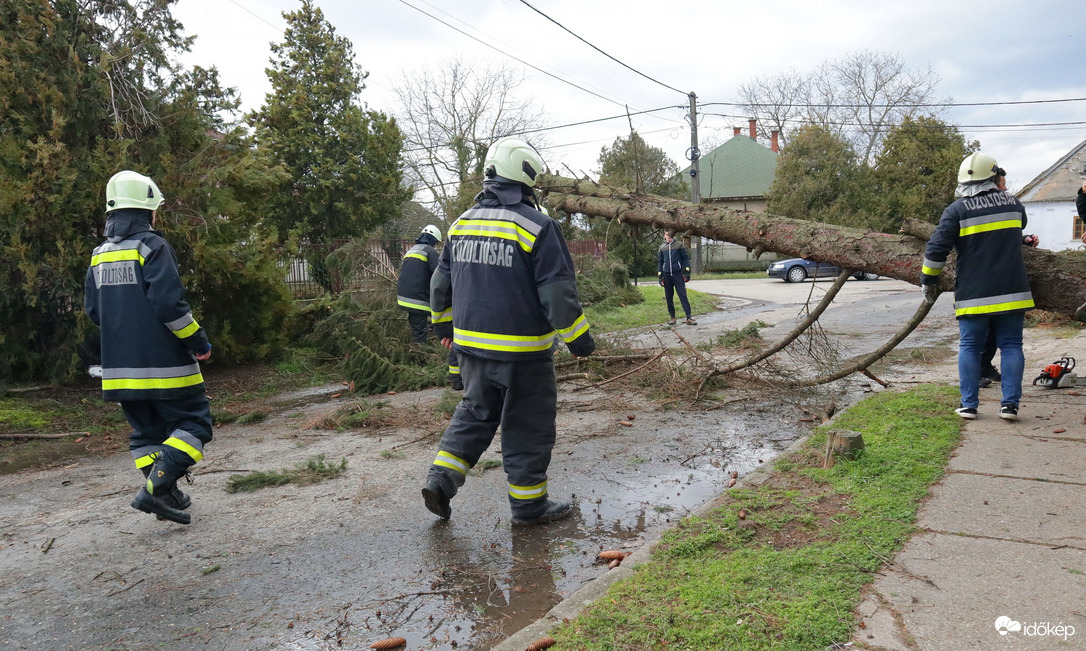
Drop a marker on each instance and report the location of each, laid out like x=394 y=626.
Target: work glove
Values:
x=660 y=278
x=686 y=276
x=931 y=292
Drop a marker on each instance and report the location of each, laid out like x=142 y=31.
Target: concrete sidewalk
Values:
x=1003 y=535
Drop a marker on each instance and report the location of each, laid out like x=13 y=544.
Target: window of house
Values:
x=1077 y=229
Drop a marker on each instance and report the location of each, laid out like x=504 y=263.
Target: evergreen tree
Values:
x=634 y=164
x=87 y=90
x=342 y=162
x=917 y=170
x=818 y=177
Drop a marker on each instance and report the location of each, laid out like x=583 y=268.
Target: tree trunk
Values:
x=1058 y=281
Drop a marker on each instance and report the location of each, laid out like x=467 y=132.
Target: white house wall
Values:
x=1053 y=222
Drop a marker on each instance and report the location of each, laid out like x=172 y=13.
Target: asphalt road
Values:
x=340 y=564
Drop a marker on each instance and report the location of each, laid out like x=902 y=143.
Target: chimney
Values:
x=736 y=130
x=753 y=129
x=773 y=140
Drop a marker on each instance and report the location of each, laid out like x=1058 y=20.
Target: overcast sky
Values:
x=991 y=51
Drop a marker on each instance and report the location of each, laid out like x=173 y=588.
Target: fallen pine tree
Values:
x=1058 y=280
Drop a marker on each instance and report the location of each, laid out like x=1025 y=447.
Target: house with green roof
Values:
x=738 y=173
x=735 y=175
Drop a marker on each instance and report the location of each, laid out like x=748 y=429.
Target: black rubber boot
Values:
x=158 y=496
x=437 y=502
x=552 y=510
x=183 y=500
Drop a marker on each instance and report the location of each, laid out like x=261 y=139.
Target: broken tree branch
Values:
x=869 y=359
x=800 y=328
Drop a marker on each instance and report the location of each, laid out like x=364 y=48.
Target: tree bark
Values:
x=1058 y=281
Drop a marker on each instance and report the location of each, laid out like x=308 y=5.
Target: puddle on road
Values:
x=476 y=582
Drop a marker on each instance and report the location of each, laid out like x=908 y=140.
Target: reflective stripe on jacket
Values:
x=133 y=292
x=986 y=231
x=507 y=271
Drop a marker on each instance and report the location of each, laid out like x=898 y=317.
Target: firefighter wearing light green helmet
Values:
x=130 y=189
x=514 y=160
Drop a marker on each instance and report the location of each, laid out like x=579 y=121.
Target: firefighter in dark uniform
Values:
x=673 y=271
x=504 y=290
x=991 y=288
x=151 y=345
x=413 y=292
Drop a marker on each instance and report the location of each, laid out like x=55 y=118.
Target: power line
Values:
x=571 y=124
x=919 y=126
x=259 y=17
x=925 y=105
x=499 y=41
x=525 y=2
x=506 y=54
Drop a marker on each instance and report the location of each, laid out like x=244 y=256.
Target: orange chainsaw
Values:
x=1058 y=375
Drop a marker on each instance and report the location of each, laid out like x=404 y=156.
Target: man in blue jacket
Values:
x=151 y=345
x=991 y=288
x=504 y=290
x=673 y=271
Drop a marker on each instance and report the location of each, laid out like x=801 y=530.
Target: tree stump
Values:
x=842 y=443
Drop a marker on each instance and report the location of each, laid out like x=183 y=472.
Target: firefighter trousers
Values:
x=176 y=430
x=522 y=398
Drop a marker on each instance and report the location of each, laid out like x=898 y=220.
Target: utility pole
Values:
x=693 y=154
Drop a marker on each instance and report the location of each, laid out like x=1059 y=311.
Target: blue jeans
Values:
x=1007 y=328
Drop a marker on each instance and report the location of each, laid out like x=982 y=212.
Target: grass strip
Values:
x=788 y=574
x=652 y=311
x=313 y=470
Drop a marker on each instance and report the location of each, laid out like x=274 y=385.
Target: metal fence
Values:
x=303 y=271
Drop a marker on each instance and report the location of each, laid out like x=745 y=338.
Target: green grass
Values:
x=730 y=275
x=789 y=574
x=312 y=471
x=652 y=311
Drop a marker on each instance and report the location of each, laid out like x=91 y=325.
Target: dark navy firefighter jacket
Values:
x=413 y=285
x=672 y=259
x=990 y=275
x=505 y=286
x=133 y=292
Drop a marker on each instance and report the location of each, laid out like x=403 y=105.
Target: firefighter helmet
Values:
x=977 y=167
x=130 y=189
x=432 y=231
x=513 y=159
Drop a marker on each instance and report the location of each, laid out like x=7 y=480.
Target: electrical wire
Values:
x=924 y=105
x=506 y=54
x=656 y=81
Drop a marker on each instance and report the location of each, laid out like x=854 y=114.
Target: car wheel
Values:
x=870 y=276
x=796 y=275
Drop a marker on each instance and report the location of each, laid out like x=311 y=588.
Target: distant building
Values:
x=735 y=175
x=738 y=173
x=1050 y=201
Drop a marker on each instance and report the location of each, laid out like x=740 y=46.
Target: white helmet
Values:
x=977 y=167
x=514 y=160
x=432 y=231
x=130 y=189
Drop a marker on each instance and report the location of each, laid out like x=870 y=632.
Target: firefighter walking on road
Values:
x=151 y=345
x=413 y=292
x=505 y=288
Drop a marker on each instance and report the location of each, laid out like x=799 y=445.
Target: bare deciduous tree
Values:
x=449 y=117
x=779 y=102
x=862 y=97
